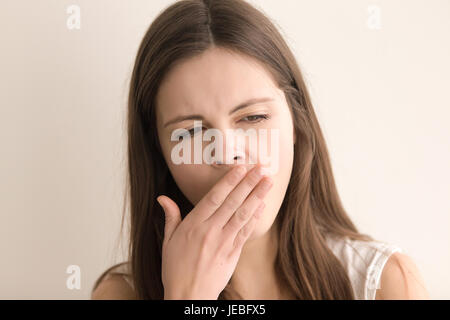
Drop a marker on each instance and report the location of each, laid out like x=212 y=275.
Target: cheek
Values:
x=281 y=178
x=184 y=175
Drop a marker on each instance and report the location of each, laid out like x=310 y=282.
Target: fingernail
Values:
x=266 y=184
x=258 y=171
x=159 y=201
x=266 y=171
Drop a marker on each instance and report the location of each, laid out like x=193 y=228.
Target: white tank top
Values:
x=125 y=271
x=363 y=261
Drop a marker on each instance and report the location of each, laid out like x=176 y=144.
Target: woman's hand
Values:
x=200 y=253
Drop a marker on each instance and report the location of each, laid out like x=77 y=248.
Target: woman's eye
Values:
x=191 y=132
x=252 y=119
x=257 y=118
x=195 y=130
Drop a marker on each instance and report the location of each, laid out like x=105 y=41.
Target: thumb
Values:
x=172 y=215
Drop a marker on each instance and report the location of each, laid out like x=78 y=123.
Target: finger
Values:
x=236 y=198
x=245 y=232
x=243 y=214
x=218 y=193
x=172 y=216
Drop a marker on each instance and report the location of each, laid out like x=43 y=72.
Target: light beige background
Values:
x=382 y=97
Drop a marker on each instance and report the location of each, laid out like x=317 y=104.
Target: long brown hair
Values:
x=311 y=208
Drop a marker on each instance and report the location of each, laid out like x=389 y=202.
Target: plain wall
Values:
x=381 y=96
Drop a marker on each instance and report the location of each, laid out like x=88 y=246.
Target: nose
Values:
x=237 y=159
x=231 y=153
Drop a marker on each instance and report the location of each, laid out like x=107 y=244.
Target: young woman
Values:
x=218 y=232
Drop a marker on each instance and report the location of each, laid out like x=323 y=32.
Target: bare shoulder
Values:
x=112 y=285
x=401 y=279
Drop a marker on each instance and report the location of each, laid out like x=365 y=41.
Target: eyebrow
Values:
x=244 y=104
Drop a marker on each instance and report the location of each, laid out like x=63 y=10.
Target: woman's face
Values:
x=210 y=86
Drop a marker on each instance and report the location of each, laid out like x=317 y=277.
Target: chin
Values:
x=260 y=230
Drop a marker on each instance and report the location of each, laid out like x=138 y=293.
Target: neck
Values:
x=255 y=276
